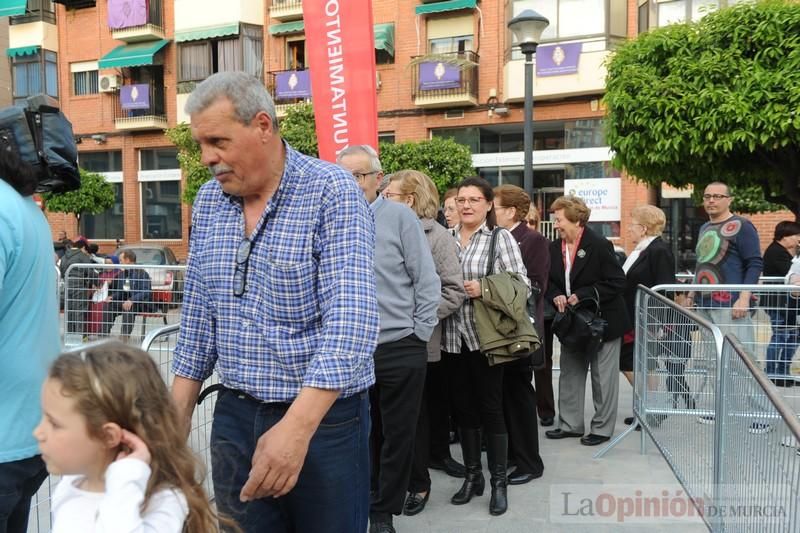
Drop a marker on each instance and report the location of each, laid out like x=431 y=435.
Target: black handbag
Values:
x=581 y=328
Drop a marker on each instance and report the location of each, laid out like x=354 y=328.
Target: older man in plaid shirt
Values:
x=280 y=300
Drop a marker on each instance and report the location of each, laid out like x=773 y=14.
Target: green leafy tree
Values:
x=444 y=160
x=94 y=196
x=299 y=129
x=195 y=172
x=714 y=100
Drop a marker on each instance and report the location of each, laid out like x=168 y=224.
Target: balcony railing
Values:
x=286 y=10
x=142 y=25
x=140 y=113
x=288 y=88
x=445 y=80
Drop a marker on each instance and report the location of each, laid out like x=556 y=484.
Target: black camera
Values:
x=42 y=136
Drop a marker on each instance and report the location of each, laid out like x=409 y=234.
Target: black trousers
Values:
x=519 y=405
x=394 y=409
x=545 y=403
x=477 y=391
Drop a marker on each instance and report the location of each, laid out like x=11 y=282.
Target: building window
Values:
x=386 y=137
x=34 y=74
x=296 y=54
x=448 y=45
x=110 y=224
x=36 y=10
x=568 y=18
x=382 y=57
x=200 y=59
x=644 y=17
x=84 y=83
x=687 y=10
x=160 y=181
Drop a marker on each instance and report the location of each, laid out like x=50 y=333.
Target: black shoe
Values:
x=520 y=478
x=380 y=524
x=593 y=440
x=629 y=420
x=474 y=482
x=497 y=457
x=558 y=434
x=547 y=421
x=449 y=466
x=415 y=503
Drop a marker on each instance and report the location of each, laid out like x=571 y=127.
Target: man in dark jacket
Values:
x=129 y=294
x=76 y=283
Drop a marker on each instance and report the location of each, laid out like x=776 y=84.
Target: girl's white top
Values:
x=118 y=509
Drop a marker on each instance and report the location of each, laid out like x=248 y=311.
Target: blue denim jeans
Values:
x=332 y=492
x=19 y=481
x=782 y=345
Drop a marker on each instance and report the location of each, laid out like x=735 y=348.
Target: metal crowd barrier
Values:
x=95 y=294
x=728 y=434
x=160 y=344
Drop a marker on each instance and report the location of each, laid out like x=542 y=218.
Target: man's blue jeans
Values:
x=782 y=346
x=332 y=492
x=19 y=481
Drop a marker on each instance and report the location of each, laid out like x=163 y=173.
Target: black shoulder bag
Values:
x=580 y=327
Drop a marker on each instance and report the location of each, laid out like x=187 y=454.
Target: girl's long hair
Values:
x=116 y=383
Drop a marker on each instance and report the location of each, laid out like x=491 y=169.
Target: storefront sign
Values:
x=438 y=75
x=668 y=191
x=341 y=57
x=602 y=196
x=292 y=84
x=126 y=13
x=558 y=59
x=135 y=96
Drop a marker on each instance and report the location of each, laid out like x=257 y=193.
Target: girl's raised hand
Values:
x=133 y=446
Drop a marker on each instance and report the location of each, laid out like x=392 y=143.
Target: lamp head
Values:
x=527 y=28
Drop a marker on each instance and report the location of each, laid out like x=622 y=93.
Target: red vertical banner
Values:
x=340 y=50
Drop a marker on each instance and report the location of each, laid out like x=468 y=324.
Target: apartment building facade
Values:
x=123 y=69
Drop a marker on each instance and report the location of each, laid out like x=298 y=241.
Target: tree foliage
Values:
x=444 y=160
x=714 y=100
x=94 y=196
x=195 y=172
x=298 y=128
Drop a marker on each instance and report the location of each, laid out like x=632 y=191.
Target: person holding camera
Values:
x=29 y=329
x=583 y=268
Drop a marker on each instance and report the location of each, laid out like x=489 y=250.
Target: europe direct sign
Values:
x=558 y=59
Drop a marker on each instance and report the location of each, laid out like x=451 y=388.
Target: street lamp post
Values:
x=527 y=28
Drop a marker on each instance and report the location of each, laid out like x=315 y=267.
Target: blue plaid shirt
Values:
x=309 y=314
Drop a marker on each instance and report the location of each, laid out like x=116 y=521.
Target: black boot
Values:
x=474 y=481
x=497 y=458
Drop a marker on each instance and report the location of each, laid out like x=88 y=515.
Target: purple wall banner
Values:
x=126 y=13
x=292 y=84
x=438 y=75
x=135 y=96
x=558 y=59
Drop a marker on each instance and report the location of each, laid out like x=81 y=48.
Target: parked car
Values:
x=167 y=285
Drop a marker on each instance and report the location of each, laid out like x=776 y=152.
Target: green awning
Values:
x=449 y=5
x=132 y=55
x=286 y=28
x=384 y=37
x=208 y=32
x=23 y=51
x=9 y=8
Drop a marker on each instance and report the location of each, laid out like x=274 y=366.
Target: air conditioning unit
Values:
x=109 y=83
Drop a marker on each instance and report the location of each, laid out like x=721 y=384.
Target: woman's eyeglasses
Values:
x=242 y=261
x=470 y=201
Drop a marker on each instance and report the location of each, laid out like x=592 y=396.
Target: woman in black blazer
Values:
x=651 y=263
x=583 y=267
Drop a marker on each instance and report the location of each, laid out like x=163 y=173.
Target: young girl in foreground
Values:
x=110 y=428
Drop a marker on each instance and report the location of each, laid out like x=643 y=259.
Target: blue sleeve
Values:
x=422 y=271
x=749 y=246
x=345 y=287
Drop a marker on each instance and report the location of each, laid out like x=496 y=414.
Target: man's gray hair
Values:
x=246 y=92
x=362 y=149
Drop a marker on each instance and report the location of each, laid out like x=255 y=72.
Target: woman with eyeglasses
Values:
x=511 y=205
x=450 y=208
x=417 y=191
x=477 y=387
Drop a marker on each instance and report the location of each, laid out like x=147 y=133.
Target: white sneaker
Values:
x=759 y=428
x=706 y=419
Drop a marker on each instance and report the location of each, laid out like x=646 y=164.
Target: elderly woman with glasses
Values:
x=417 y=191
x=583 y=267
x=511 y=205
x=477 y=387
